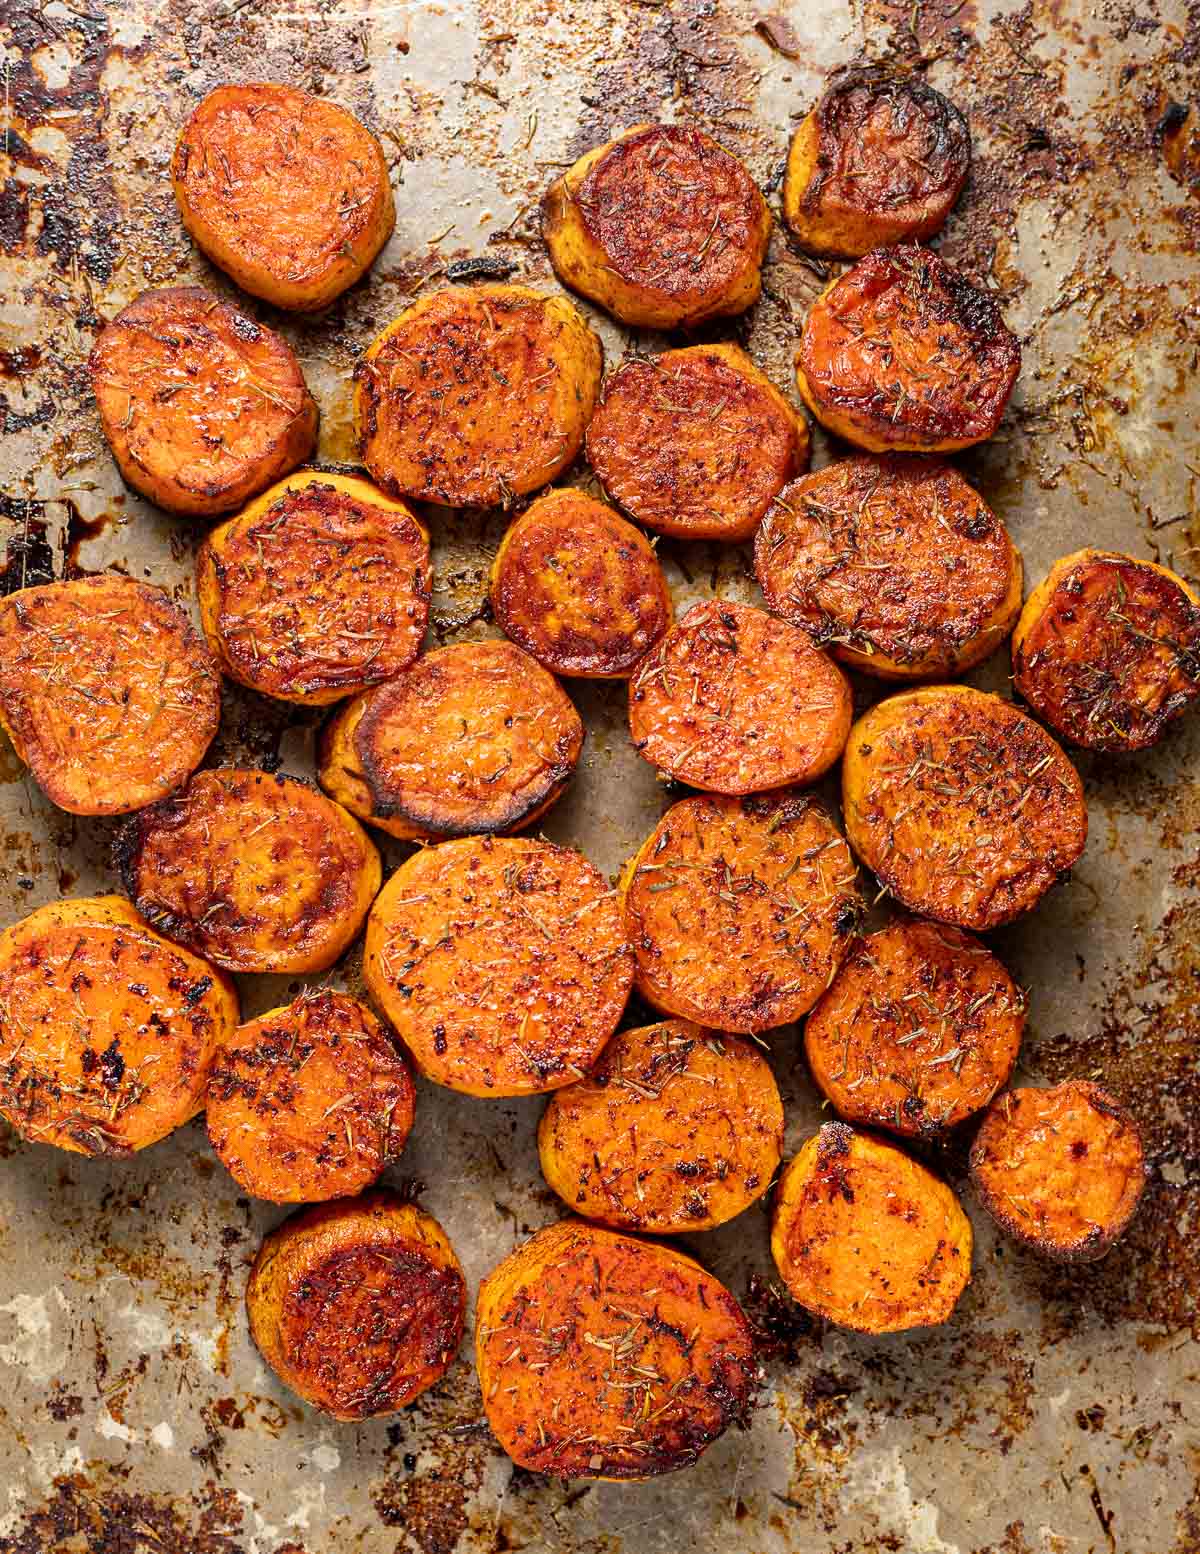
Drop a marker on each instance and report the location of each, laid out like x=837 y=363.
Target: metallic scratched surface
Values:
x=1058 y=1411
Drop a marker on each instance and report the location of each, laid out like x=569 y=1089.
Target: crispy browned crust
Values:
x=359 y=1305
x=1060 y=1170
x=735 y=702
x=107 y=691
x=603 y=1356
x=201 y=406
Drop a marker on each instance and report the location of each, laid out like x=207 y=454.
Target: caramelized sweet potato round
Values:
x=256 y=872
x=1107 y=650
x=286 y=192
x=319 y=588
x=893 y=563
x=695 y=442
x=661 y=226
x=735 y=702
x=107 y=691
x=964 y=807
x=579 y=588
x=201 y=406
x=903 y=354
x=501 y=963
x=476 y=394
x=603 y=1356
x=867 y=1238
x=106 y=1029
x=359 y=1305
x=675 y=1129
x=740 y=911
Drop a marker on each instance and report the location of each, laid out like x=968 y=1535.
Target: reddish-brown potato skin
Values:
x=734 y=701
x=1060 y=1170
x=604 y=1356
x=202 y=407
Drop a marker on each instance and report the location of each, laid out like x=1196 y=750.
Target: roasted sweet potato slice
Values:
x=920 y=1028
x=256 y=872
x=1107 y=650
x=359 y=1305
x=201 y=406
x=903 y=354
x=107 y=691
x=502 y=964
x=867 y=1238
x=964 y=807
x=740 y=911
x=476 y=394
x=286 y=192
x=106 y=1029
x=602 y=1356
x=319 y=588
x=735 y=702
x=579 y=588
x=893 y=563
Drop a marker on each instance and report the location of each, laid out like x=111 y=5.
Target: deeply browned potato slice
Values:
x=501 y=963
x=358 y=1305
x=675 y=1129
x=866 y=1237
x=476 y=394
x=255 y=872
x=740 y=911
x=319 y=588
x=964 y=807
x=880 y=159
x=602 y=1356
x=1107 y=649
x=735 y=702
x=579 y=588
x=310 y=1101
x=288 y=193
x=903 y=354
x=107 y=691
x=201 y=406
x=893 y=563
x=661 y=226
x=106 y=1029
x=920 y=1028
x=696 y=442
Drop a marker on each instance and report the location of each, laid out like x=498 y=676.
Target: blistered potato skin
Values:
x=106 y=1029
x=202 y=407
x=286 y=192
x=577 y=1307
x=107 y=691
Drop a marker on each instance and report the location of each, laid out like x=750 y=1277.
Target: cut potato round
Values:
x=661 y=226
x=201 y=406
x=602 y=1356
x=501 y=963
x=476 y=394
x=735 y=702
x=893 y=563
x=358 y=1306
x=287 y=193
x=106 y=1029
x=318 y=589
x=256 y=872
x=964 y=807
x=107 y=691
x=695 y=443
x=1107 y=650
x=740 y=911
x=867 y=1238
x=902 y=354
x=579 y=588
